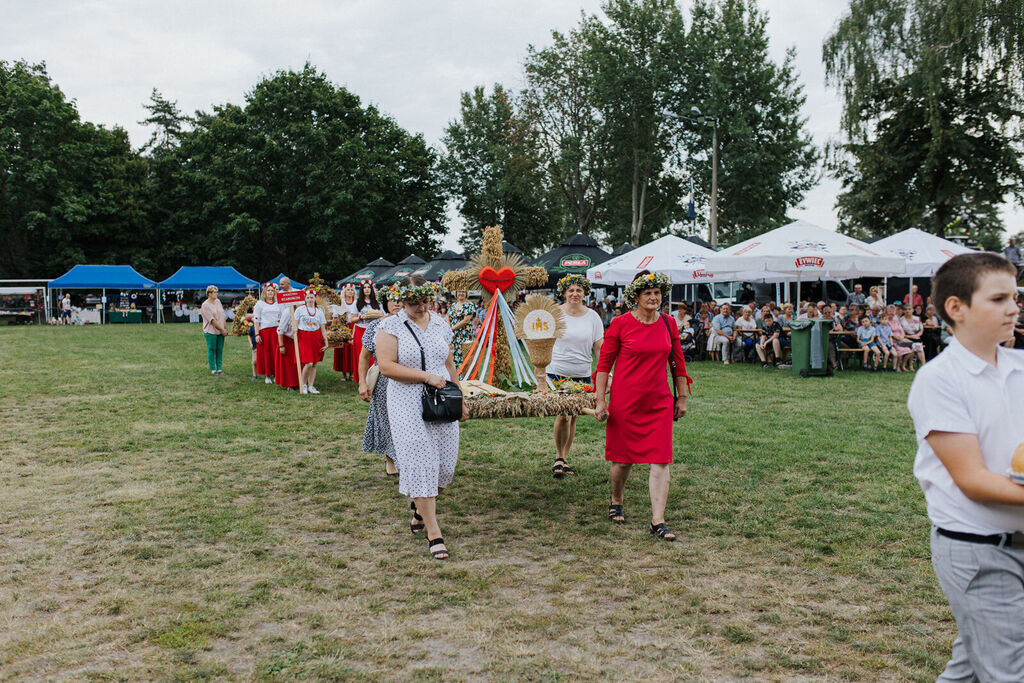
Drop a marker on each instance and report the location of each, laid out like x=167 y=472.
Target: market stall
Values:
x=198 y=278
x=125 y=280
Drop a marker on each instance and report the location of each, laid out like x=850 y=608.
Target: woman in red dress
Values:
x=642 y=409
x=341 y=315
x=366 y=302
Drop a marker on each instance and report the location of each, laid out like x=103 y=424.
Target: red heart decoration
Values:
x=500 y=280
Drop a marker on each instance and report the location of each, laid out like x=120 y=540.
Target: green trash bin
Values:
x=808 y=361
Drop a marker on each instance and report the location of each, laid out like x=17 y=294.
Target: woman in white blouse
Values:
x=311 y=338
x=266 y=314
x=572 y=358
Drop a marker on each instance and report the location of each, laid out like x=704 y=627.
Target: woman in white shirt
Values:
x=572 y=358
x=266 y=314
x=311 y=338
x=874 y=298
x=367 y=308
x=341 y=315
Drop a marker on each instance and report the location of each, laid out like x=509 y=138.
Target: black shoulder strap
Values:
x=671 y=355
x=423 y=358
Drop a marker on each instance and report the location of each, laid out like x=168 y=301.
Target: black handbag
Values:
x=439 y=405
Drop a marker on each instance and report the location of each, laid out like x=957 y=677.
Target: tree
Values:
x=301 y=179
x=767 y=160
x=637 y=55
x=571 y=134
x=932 y=97
x=70 y=192
x=492 y=167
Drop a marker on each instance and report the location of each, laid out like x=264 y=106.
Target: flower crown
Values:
x=363 y=283
x=649 y=281
x=428 y=290
x=349 y=288
x=386 y=293
x=574 y=279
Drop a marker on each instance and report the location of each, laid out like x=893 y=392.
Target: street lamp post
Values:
x=699 y=117
x=713 y=229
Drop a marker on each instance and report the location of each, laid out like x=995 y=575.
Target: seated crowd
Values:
x=893 y=337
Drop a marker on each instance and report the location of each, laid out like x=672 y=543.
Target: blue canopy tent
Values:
x=295 y=283
x=104 y=278
x=200 y=277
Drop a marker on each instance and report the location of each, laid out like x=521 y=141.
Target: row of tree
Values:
x=932 y=119
x=601 y=139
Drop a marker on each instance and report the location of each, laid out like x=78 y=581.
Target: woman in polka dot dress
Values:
x=425 y=452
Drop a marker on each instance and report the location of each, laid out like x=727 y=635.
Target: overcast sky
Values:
x=411 y=58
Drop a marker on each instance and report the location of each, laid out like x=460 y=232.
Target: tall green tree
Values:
x=303 y=178
x=571 y=134
x=637 y=53
x=70 y=191
x=932 y=95
x=493 y=169
x=767 y=160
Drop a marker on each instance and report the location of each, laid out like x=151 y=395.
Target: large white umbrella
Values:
x=806 y=251
x=922 y=251
x=681 y=260
x=684 y=262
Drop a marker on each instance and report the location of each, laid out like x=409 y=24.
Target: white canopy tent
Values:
x=806 y=252
x=922 y=251
x=684 y=262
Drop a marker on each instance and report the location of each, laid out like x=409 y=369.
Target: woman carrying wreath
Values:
x=377 y=434
x=461 y=315
x=425 y=452
x=367 y=309
x=572 y=358
x=340 y=315
x=641 y=412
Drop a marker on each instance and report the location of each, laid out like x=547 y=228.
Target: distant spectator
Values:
x=65 y=310
x=746 y=333
x=913 y=298
x=857 y=296
x=867 y=340
x=683 y=316
x=914 y=331
x=1012 y=252
x=875 y=299
x=769 y=339
x=884 y=334
x=723 y=334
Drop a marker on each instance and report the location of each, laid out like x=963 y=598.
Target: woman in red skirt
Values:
x=287 y=371
x=367 y=309
x=312 y=339
x=642 y=409
x=266 y=314
x=343 y=315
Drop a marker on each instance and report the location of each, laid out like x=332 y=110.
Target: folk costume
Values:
x=265 y=319
x=343 y=362
x=310 y=337
x=287 y=374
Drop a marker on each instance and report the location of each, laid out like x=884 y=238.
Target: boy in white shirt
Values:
x=966 y=410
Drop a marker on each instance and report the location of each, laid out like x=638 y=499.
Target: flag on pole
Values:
x=691 y=207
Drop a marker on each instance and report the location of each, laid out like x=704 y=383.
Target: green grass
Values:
x=157 y=522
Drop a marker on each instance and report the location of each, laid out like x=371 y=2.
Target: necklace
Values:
x=307 y=309
x=636 y=314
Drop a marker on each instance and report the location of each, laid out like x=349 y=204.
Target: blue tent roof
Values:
x=295 y=283
x=102 y=277
x=199 y=277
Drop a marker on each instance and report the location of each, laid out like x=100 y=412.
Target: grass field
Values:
x=157 y=522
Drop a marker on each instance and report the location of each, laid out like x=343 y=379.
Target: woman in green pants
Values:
x=214 y=330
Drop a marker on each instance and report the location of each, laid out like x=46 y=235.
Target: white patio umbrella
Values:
x=684 y=262
x=807 y=252
x=922 y=251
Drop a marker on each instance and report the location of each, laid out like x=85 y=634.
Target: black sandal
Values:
x=662 y=531
x=413 y=527
x=438 y=553
x=616 y=511
x=558 y=469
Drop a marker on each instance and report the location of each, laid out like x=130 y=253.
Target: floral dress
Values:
x=377 y=435
x=459 y=337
